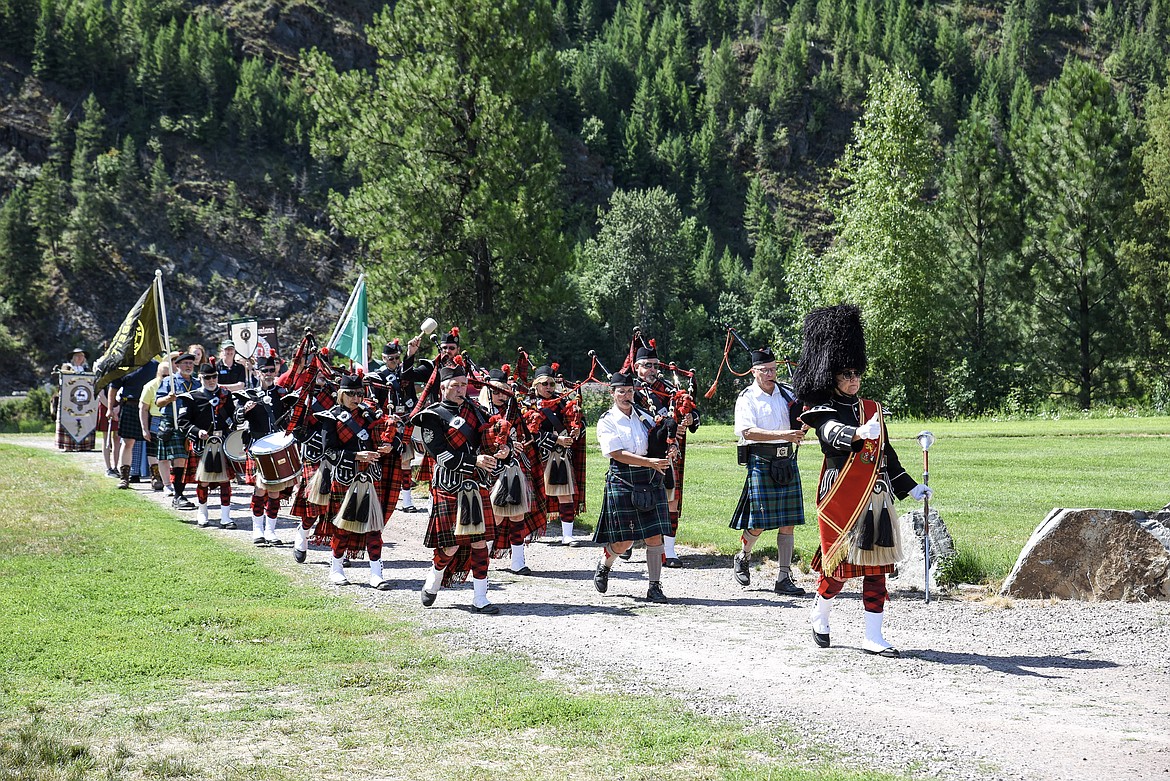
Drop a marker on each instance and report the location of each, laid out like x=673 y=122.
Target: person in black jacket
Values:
x=261 y=410
x=206 y=417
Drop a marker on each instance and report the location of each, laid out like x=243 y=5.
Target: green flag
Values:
x=353 y=335
x=136 y=342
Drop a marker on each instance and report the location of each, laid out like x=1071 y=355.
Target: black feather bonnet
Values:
x=834 y=339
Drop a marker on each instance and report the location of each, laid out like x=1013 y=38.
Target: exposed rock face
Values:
x=911 y=571
x=1095 y=555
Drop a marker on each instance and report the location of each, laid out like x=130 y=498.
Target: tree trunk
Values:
x=481 y=265
x=1085 y=396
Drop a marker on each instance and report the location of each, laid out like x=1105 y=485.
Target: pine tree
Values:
x=50 y=193
x=86 y=219
x=20 y=260
x=1077 y=166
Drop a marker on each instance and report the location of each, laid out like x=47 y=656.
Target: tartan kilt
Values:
x=301 y=507
x=619 y=520
x=129 y=426
x=764 y=504
x=66 y=442
x=441 y=526
x=169 y=446
x=390 y=485
x=192 y=467
x=553 y=503
x=847 y=569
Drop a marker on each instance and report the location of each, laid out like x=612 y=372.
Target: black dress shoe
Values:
x=229 y=525
x=299 y=556
x=521 y=571
x=183 y=503
x=259 y=542
x=786 y=587
x=741 y=568
x=385 y=585
x=427 y=597
x=822 y=641
x=672 y=563
x=654 y=593
x=601 y=578
x=888 y=653
x=487 y=610
x=411 y=509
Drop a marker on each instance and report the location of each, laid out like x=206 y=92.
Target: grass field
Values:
x=994 y=482
x=137 y=648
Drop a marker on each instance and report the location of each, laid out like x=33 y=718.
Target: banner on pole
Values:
x=135 y=343
x=77 y=408
x=352 y=337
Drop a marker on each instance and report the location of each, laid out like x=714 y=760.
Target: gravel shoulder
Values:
x=985 y=689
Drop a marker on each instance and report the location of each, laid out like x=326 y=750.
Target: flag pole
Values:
x=345 y=312
x=162 y=305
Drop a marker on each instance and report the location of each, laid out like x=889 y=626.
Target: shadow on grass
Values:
x=1015 y=665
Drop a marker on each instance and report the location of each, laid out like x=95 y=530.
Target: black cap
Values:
x=498 y=376
x=621 y=380
x=544 y=370
x=646 y=353
x=265 y=362
x=208 y=370
x=452 y=337
x=451 y=371
x=762 y=355
x=351 y=382
x=77 y=350
x=184 y=357
x=392 y=348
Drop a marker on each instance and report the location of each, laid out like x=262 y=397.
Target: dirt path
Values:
x=1033 y=690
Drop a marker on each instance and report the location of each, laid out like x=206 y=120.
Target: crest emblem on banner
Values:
x=246 y=336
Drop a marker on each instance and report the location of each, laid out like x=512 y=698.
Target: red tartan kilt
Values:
x=192 y=466
x=426 y=470
x=441 y=527
x=300 y=505
x=847 y=570
x=390 y=485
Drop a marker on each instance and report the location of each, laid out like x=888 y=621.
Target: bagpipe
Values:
x=733 y=337
x=679 y=399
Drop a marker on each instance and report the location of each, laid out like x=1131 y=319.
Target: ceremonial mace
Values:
x=926 y=439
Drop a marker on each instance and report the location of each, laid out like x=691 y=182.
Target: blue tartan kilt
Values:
x=620 y=521
x=764 y=504
x=129 y=426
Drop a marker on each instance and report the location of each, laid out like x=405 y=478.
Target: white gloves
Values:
x=920 y=492
x=871 y=429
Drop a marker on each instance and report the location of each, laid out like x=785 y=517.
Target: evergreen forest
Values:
x=989 y=181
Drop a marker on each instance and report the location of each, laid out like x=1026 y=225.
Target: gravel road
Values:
x=985 y=689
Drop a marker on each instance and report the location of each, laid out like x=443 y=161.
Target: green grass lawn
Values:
x=136 y=647
x=994 y=481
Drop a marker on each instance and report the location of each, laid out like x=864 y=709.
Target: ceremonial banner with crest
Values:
x=77 y=410
x=137 y=341
x=254 y=338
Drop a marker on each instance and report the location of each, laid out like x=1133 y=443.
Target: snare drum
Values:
x=233 y=447
x=278 y=461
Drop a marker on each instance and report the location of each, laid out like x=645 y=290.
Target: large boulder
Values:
x=910 y=572
x=1095 y=555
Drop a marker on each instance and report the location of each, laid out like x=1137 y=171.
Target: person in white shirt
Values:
x=634 y=505
x=765 y=414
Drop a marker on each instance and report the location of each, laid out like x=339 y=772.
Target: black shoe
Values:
x=259 y=542
x=654 y=593
x=411 y=509
x=183 y=503
x=786 y=587
x=299 y=556
x=487 y=610
x=385 y=585
x=111 y=472
x=428 y=598
x=601 y=577
x=625 y=556
x=228 y=526
x=521 y=571
x=822 y=641
x=156 y=483
x=741 y=568
x=888 y=653
x=672 y=562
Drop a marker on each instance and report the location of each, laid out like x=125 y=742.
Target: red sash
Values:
x=841 y=506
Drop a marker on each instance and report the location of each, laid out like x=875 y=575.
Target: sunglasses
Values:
x=850 y=375
x=546 y=384
x=268 y=371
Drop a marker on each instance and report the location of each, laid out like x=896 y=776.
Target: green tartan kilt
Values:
x=764 y=504
x=620 y=521
x=169 y=446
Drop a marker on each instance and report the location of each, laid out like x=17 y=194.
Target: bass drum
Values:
x=278 y=461
x=233 y=447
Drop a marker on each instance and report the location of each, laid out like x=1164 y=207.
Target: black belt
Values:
x=770 y=452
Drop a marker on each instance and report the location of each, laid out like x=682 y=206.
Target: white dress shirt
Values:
x=756 y=409
x=618 y=431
